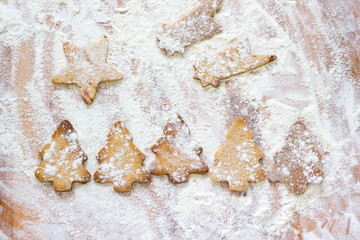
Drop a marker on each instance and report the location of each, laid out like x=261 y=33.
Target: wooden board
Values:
x=326 y=33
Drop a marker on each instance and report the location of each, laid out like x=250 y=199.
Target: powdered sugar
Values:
x=183 y=142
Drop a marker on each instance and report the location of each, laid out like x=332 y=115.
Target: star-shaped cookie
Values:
x=87 y=68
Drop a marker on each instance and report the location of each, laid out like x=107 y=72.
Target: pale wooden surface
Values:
x=318 y=47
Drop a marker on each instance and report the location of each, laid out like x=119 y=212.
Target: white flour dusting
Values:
x=154 y=87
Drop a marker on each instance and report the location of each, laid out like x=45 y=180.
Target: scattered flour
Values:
x=156 y=86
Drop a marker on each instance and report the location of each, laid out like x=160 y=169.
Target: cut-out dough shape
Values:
x=197 y=25
x=87 y=68
x=63 y=159
x=232 y=61
x=121 y=161
x=177 y=154
x=295 y=162
x=238 y=159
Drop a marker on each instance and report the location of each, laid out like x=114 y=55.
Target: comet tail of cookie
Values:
x=197 y=25
x=121 y=161
x=230 y=62
x=238 y=159
x=177 y=154
x=63 y=159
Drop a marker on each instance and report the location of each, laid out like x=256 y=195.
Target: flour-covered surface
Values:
x=315 y=78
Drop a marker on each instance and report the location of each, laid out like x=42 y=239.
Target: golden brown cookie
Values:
x=295 y=162
x=199 y=24
x=120 y=161
x=232 y=61
x=238 y=159
x=63 y=159
x=177 y=154
x=87 y=68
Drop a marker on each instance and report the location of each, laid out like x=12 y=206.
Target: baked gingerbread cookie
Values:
x=121 y=161
x=232 y=61
x=238 y=159
x=295 y=163
x=87 y=68
x=177 y=154
x=63 y=159
x=199 y=24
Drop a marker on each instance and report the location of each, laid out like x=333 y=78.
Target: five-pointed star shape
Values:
x=87 y=68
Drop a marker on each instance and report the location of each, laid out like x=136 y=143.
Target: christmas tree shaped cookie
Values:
x=295 y=162
x=177 y=154
x=121 y=161
x=63 y=159
x=238 y=159
x=87 y=68
x=232 y=61
x=197 y=25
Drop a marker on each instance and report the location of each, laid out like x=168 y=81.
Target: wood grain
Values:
x=307 y=27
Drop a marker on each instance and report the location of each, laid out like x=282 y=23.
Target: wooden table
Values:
x=326 y=32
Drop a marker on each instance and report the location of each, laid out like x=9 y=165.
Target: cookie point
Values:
x=272 y=58
x=88 y=101
x=54 y=78
x=117 y=123
x=66 y=124
x=66 y=44
x=215 y=85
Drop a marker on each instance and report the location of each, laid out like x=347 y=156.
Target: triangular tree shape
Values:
x=121 y=161
x=177 y=154
x=63 y=159
x=295 y=162
x=238 y=159
x=199 y=24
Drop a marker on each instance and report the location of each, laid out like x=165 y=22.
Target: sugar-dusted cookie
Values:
x=120 y=161
x=199 y=24
x=238 y=159
x=87 y=68
x=232 y=61
x=177 y=154
x=295 y=162
x=63 y=159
